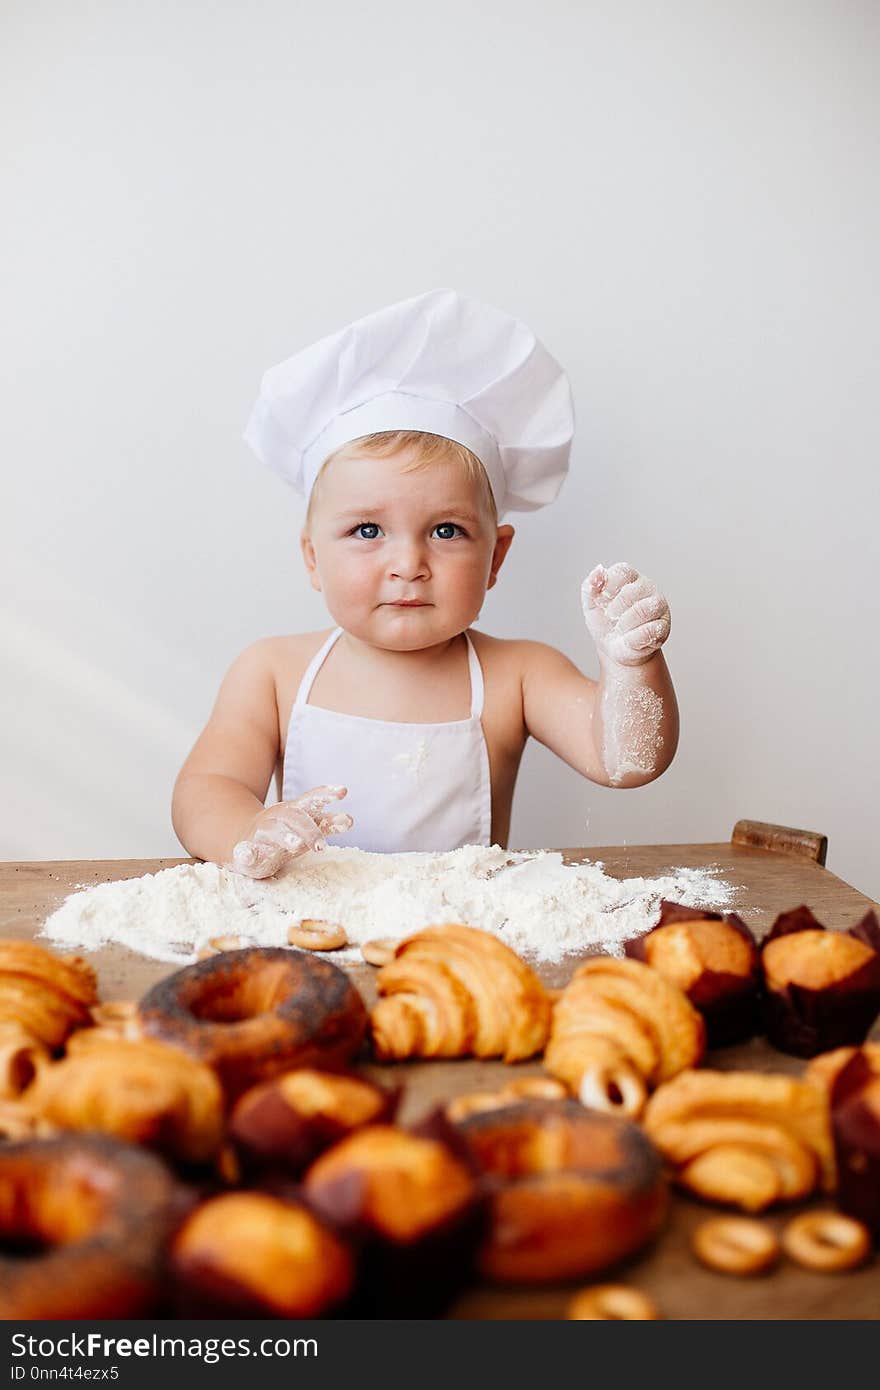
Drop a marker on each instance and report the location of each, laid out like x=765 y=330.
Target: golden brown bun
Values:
x=813 y=959
x=250 y=1254
x=405 y=1185
x=284 y=1123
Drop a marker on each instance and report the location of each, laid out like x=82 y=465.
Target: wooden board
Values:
x=769 y=882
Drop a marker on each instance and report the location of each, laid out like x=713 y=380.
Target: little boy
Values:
x=411 y=433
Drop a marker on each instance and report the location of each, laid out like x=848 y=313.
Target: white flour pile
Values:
x=541 y=907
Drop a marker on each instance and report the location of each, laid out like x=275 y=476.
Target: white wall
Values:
x=682 y=199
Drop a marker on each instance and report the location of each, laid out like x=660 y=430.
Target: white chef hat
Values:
x=438 y=363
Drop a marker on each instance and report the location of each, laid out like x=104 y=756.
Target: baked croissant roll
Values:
x=743 y=1138
x=455 y=991
x=618 y=1029
x=141 y=1091
x=47 y=995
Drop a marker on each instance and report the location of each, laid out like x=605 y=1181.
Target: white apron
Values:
x=410 y=786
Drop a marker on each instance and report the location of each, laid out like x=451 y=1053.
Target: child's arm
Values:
x=621 y=731
x=217 y=809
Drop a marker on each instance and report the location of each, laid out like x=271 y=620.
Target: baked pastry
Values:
x=47 y=995
x=22 y=1056
x=96 y=1214
x=117 y=1018
x=413 y=1207
x=619 y=1028
x=713 y=958
x=825 y=1067
x=524 y=1088
x=854 y=1097
x=742 y=1138
x=140 y=1091
x=283 y=1124
x=18 y=1121
x=571 y=1191
x=455 y=991
x=612 y=1303
x=826 y=1241
x=249 y=1254
x=822 y=988
x=253 y=1013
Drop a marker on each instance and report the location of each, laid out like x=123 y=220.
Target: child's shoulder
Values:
x=280 y=657
x=514 y=653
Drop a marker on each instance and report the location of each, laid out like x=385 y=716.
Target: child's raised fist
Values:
x=627 y=618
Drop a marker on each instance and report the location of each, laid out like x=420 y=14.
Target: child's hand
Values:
x=287 y=830
x=626 y=617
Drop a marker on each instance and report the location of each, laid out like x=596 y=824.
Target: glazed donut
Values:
x=735 y=1245
x=89 y=1218
x=826 y=1241
x=612 y=1302
x=571 y=1190
x=250 y=1254
x=253 y=1013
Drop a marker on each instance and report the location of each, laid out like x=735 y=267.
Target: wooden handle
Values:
x=782 y=839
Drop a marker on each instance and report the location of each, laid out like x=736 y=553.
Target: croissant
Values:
x=619 y=1028
x=455 y=991
x=47 y=995
x=745 y=1138
x=142 y=1091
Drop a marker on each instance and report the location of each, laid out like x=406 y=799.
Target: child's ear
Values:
x=502 y=545
x=308 y=553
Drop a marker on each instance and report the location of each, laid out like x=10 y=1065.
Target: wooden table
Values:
x=771 y=879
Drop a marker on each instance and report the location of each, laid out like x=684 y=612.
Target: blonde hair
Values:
x=426 y=449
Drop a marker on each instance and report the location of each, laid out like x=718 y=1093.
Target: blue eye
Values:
x=364 y=528
x=446 y=530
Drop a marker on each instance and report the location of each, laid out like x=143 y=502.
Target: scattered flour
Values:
x=541 y=907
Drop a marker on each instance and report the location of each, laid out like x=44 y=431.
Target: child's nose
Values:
x=409 y=561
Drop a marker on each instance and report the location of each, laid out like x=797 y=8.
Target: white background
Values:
x=682 y=199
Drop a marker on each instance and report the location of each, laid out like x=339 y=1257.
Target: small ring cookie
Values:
x=220 y=943
x=827 y=1241
x=616 y=1090
x=379 y=951
x=460 y=1107
x=735 y=1245
x=535 y=1088
x=313 y=935
x=612 y=1302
